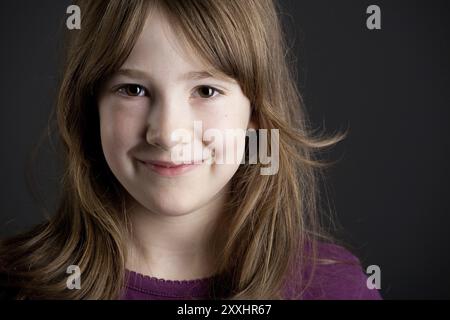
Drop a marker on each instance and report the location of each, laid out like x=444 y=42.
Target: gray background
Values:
x=389 y=87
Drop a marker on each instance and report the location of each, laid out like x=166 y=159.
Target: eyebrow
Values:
x=192 y=75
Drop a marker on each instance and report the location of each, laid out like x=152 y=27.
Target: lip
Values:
x=169 y=169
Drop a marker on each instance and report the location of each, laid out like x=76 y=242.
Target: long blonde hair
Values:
x=272 y=219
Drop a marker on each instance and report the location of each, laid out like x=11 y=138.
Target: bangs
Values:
x=218 y=35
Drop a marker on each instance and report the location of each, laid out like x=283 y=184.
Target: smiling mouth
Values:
x=170 y=169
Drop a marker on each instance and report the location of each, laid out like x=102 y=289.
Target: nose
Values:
x=165 y=117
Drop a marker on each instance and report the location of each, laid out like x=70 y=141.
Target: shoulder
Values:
x=338 y=275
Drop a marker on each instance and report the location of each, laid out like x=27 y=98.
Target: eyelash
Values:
x=127 y=86
x=124 y=87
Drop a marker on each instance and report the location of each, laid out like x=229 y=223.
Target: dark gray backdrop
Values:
x=388 y=87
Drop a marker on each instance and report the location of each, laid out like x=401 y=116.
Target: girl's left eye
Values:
x=206 y=92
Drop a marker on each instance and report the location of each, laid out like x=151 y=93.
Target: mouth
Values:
x=169 y=169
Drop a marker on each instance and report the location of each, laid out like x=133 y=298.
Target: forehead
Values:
x=159 y=48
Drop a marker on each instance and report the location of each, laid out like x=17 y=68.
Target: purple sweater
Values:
x=333 y=281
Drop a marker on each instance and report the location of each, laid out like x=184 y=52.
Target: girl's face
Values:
x=158 y=90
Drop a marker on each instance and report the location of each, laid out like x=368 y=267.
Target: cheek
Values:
x=229 y=114
x=120 y=128
x=230 y=123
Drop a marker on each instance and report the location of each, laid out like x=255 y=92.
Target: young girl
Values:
x=138 y=225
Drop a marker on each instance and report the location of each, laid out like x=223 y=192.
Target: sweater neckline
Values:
x=167 y=288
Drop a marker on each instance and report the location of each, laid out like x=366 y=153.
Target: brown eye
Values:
x=206 y=91
x=133 y=90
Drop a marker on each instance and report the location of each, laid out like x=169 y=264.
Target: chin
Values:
x=170 y=206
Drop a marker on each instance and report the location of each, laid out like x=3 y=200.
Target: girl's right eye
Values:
x=132 y=90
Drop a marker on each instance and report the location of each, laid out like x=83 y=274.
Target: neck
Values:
x=181 y=247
